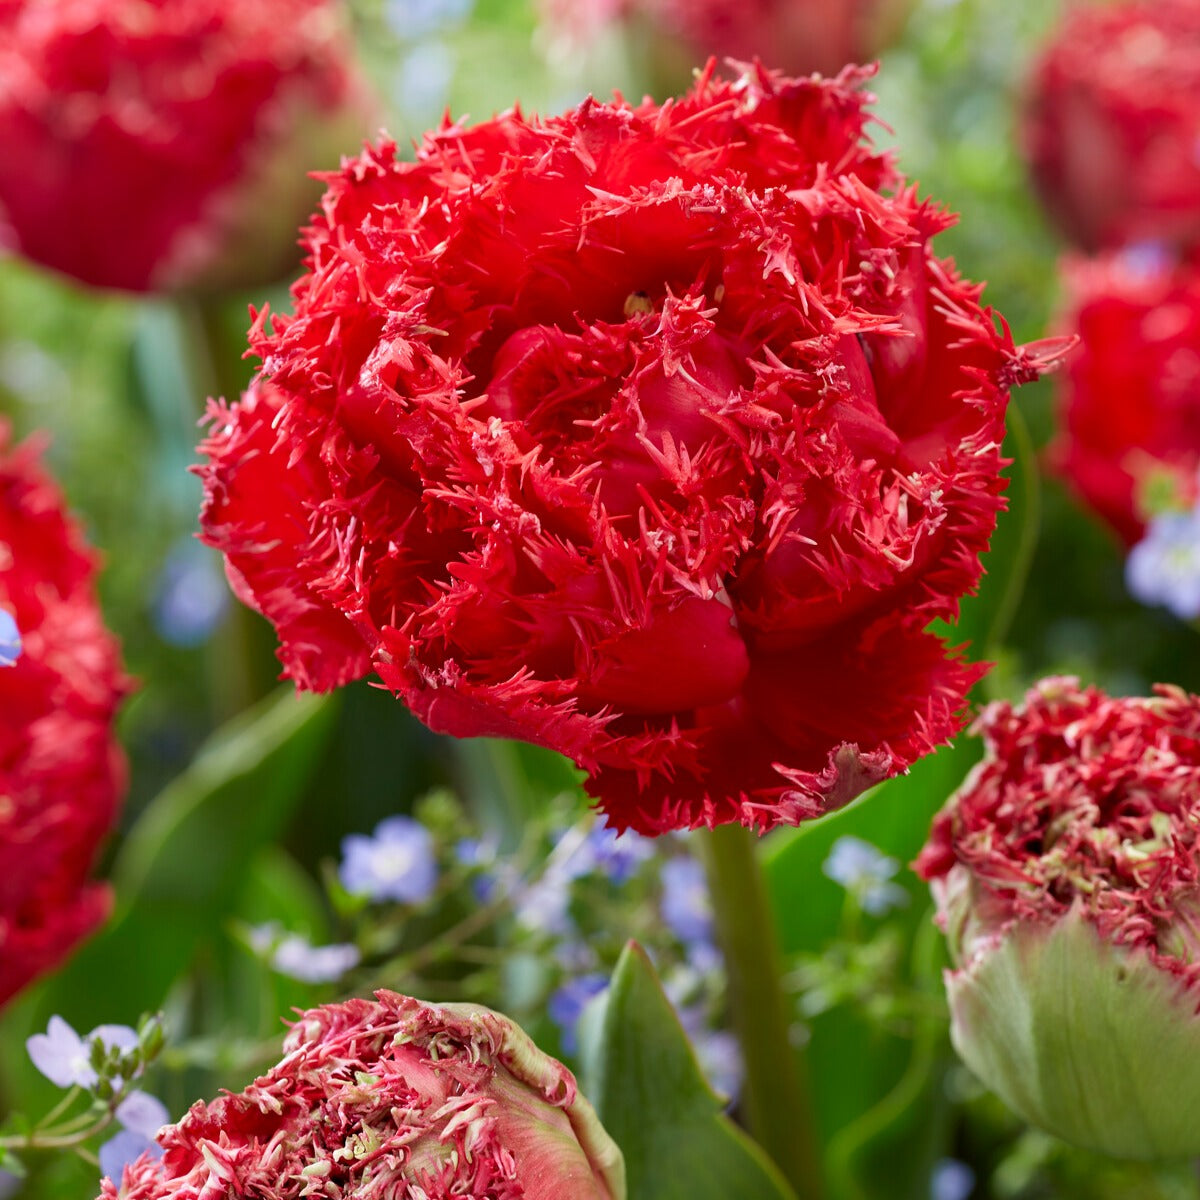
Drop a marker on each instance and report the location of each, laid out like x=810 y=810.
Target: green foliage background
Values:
x=230 y=822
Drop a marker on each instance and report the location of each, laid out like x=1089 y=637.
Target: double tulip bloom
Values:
x=164 y=144
x=61 y=772
x=1129 y=395
x=1112 y=121
x=653 y=434
x=1067 y=876
x=391 y=1100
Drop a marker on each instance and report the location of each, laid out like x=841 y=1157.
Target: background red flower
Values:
x=1112 y=121
x=1129 y=396
x=655 y=435
x=61 y=772
x=800 y=36
x=163 y=145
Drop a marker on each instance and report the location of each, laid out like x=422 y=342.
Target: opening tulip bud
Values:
x=1065 y=872
x=392 y=1098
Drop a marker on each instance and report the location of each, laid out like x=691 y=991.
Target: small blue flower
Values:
x=474 y=852
x=413 y=19
x=951 y=1180
x=703 y=956
x=395 y=863
x=720 y=1056
x=10 y=639
x=141 y=1116
x=122 y=1149
x=142 y=1113
x=545 y=905
x=1147 y=259
x=717 y=1050
x=422 y=83
x=191 y=595
x=566 y=1006
x=64 y=1057
x=686 y=906
x=865 y=872
x=616 y=855
x=299 y=959
x=1164 y=567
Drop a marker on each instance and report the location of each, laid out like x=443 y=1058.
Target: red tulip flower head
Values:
x=1112 y=123
x=654 y=435
x=163 y=144
x=1129 y=397
x=61 y=772
x=1067 y=876
x=391 y=1100
x=801 y=36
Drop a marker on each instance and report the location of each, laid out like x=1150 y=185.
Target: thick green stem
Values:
x=775 y=1095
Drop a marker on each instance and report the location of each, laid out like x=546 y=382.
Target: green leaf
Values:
x=656 y=1104
x=182 y=870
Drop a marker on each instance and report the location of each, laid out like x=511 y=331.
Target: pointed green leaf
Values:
x=656 y=1104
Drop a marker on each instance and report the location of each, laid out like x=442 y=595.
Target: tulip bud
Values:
x=1066 y=872
x=392 y=1098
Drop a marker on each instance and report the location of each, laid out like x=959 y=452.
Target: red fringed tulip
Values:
x=391 y=1100
x=163 y=144
x=61 y=773
x=654 y=435
x=1066 y=872
x=800 y=36
x=1129 y=397
x=1112 y=123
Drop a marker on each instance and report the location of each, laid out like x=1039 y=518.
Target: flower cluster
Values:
x=104 y=1063
x=61 y=772
x=1066 y=872
x=1129 y=398
x=397 y=1099
x=653 y=434
x=1112 y=120
x=164 y=145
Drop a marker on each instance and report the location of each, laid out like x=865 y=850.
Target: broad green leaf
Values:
x=653 y=1099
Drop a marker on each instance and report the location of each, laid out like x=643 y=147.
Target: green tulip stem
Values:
x=774 y=1100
